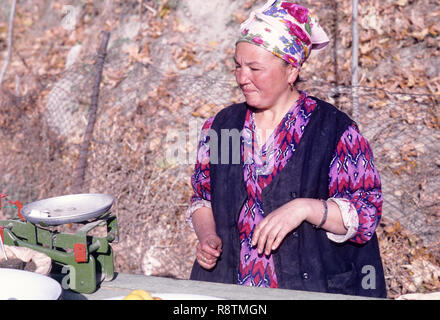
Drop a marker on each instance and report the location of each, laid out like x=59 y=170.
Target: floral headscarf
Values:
x=286 y=29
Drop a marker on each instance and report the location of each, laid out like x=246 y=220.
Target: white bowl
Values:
x=25 y=285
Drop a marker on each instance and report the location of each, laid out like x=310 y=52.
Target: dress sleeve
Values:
x=353 y=177
x=200 y=181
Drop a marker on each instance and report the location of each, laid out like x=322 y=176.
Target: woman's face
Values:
x=263 y=77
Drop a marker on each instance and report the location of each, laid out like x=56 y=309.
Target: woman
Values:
x=300 y=207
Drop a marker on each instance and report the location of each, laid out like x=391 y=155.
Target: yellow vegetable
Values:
x=139 y=295
x=144 y=294
x=133 y=297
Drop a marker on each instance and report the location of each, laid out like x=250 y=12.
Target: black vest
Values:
x=306 y=259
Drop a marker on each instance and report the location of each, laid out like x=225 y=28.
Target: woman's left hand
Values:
x=271 y=231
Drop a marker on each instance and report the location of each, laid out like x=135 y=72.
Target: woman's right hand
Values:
x=208 y=251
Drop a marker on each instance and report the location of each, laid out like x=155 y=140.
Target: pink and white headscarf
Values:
x=286 y=29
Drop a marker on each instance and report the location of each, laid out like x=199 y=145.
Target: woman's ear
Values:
x=293 y=73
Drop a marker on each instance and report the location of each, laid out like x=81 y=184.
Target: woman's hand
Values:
x=210 y=245
x=271 y=231
x=208 y=251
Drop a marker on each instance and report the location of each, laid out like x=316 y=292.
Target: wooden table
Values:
x=123 y=284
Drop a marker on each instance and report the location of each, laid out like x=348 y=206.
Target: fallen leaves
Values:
x=410 y=266
x=113 y=77
x=166 y=7
x=423 y=273
x=402 y=2
x=136 y=53
x=371 y=19
x=204 y=110
x=398 y=47
x=185 y=57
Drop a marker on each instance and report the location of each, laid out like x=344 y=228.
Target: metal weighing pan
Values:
x=67 y=209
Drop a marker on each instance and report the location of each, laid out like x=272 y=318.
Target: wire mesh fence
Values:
x=403 y=131
x=128 y=154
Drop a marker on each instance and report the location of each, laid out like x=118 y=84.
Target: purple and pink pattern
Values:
x=259 y=171
x=352 y=175
x=200 y=179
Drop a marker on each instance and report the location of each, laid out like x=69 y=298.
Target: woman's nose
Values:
x=241 y=76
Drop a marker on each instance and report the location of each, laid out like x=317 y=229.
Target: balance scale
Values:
x=88 y=258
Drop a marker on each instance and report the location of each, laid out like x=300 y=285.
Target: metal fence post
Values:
x=354 y=60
